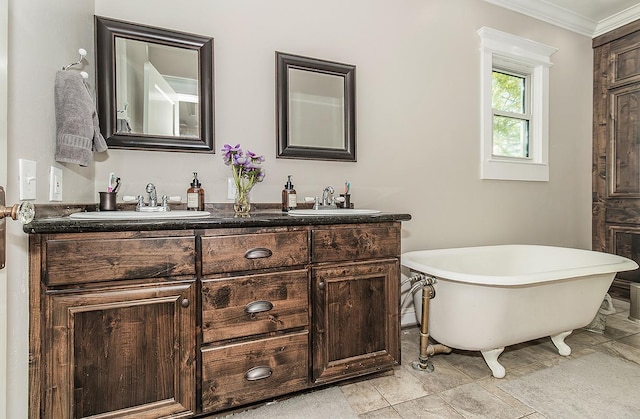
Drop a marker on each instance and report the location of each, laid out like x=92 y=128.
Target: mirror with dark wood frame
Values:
x=315 y=108
x=154 y=87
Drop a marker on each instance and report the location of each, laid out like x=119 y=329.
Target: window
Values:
x=511 y=114
x=515 y=107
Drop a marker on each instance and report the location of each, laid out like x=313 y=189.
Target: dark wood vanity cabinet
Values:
x=113 y=325
x=181 y=323
x=255 y=315
x=355 y=283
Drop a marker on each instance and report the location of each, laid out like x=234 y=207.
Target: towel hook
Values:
x=83 y=53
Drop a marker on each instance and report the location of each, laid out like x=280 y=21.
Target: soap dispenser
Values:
x=195 y=195
x=289 y=198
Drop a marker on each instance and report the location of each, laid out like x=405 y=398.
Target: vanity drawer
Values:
x=246 y=372
x=77 y=261
x=248 y=252
x=254 y=304
x=355 y=243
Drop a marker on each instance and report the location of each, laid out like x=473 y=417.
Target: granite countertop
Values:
x=52 y=222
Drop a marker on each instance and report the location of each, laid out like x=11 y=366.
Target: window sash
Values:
x=525 y=115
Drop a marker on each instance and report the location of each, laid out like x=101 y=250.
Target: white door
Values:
x=161 y=110
x=3 y=181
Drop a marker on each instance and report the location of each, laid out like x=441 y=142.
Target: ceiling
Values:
x=587 y=17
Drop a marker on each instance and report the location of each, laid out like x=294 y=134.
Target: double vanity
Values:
x=181 y=317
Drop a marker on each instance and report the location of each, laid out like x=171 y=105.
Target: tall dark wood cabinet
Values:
x=616 y=148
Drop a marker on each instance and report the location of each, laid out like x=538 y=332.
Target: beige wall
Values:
x=418 y=122
x=418 y=114
x=43 y=37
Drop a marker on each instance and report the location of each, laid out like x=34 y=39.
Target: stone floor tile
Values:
x=399 y=387
x=363 y=397
x=622 y=350
x=474 y=401
x=491 y=385
x=471 y=363
x=623 y=324
x=427 y=407
x=632 y=340
x=443 y=377
x=384 y=413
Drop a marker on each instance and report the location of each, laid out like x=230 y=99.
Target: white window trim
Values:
x=511 y=52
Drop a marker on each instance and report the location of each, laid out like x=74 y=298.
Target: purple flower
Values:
x=246 y=168
x=240 y=160
x=230 y=151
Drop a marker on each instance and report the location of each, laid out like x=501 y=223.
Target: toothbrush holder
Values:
x=107 y=201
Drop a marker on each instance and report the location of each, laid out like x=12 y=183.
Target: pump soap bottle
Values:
x=289 y=197
x=195 y=195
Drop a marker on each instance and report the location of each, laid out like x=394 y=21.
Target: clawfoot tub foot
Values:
x=558 y=340
x=491 y=358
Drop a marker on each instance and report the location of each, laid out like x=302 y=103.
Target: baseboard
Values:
x=408 y=317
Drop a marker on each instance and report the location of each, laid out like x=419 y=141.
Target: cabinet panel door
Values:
x=356 y=322
x=625 y=241
x=624 y=64
x=624 y=147
x=118 y=352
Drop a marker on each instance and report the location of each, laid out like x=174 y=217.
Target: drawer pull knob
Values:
x=258 y=307
x=258 y=373
x=185 y=303
x=258 y=253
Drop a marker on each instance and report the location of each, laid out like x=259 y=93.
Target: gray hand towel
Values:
x=78 y=132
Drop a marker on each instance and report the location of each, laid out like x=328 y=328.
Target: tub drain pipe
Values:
x=426 y=349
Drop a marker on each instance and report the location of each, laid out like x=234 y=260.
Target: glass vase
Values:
x=242 y=204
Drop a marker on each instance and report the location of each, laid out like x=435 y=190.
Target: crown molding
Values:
x=617 y=20
x=550 y=13
x=567 y=19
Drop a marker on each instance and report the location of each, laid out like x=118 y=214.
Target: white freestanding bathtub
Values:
x=490 y=297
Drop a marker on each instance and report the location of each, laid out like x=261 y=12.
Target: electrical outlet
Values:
x=55 y=184
x=27 y=179
x=231 y=188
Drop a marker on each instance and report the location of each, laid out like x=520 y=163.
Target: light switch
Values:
x=27 y=179
x=231 y=188
x=55 y=184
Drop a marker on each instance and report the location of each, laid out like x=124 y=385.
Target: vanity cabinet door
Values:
x=356 y=319
x=120 y=351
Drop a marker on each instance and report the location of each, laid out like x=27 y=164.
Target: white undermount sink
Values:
x=137 y=215
x=331 y=212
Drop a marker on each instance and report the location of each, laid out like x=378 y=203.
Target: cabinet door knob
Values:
x=258 y=373
x=258 y=253
x=185 y=303
x=321 y=285
x=258 y=307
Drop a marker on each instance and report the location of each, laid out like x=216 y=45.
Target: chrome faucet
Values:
x=153 y=197
x=325 y=197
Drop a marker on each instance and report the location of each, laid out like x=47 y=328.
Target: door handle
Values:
x=24 y=212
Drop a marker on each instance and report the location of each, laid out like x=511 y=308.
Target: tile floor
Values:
x=462 y=386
